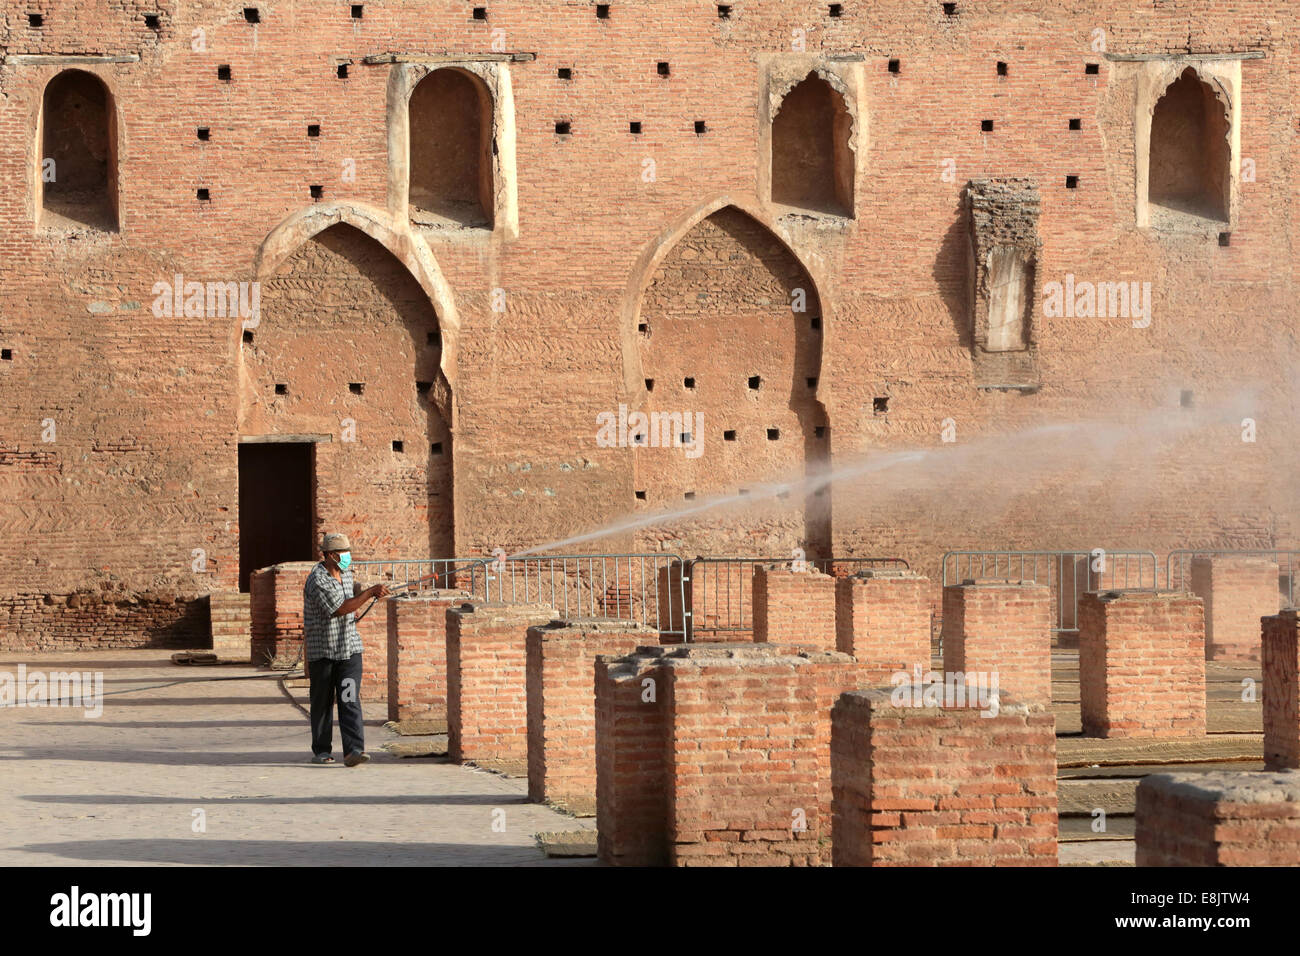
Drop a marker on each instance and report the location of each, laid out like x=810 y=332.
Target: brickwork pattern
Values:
x=1281 y=641
x=1237 y=591
x=794 y=607
x=417 y=654
x=1002 y=627
x=882 y=620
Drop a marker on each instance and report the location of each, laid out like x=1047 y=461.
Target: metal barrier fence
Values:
x=462 y=574
x=1178 y=567
x=717 y=589
x=1068 y=573
x=646 y=588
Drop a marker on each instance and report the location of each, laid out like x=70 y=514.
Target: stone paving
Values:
x=123 y=788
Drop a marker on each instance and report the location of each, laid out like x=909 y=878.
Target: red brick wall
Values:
x=373 y=631
x=882 y=619
x=1141 y=670
x=631 y=779
x=230 y=621
x=927 y=786
x=487 y=703
x=1237 y=592
x=417 y=655
x=794 y=607
x=275 y=597
x=1281 y=691
x=1222 y=818
x=561 y=704
x=1003 y=628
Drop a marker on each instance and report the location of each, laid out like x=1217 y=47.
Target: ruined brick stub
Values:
x=1004 y=245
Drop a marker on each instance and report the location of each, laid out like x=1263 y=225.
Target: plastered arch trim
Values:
x=653 y=255
x=778 y=93
x=413 y=253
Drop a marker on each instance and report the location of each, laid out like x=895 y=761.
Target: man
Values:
x=333 y=651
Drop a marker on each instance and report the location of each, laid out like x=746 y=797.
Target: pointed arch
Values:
x=1190 y=155
x=812 y=155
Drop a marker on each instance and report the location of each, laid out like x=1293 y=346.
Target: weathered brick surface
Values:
x=275 y=600
x=739 y=735
x=487 y=691
x=935 y=786
x=882 y=619
x=417 y=654
x=1281 y=690
x=562 y=704
x=230 y=617
x=1002 y=627
x=1141 y=670
x=794 y=607
x=1222 y=818
x=373 y=631
x=1237 y=590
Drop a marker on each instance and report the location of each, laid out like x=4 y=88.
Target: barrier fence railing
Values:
x=425 y=574
x=1068 y=573
x=645 y=588
x=718 y=589
x=1178 y=567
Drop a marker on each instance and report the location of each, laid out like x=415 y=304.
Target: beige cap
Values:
x=335 y=542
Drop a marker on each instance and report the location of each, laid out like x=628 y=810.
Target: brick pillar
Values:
x=1003 y=627
x=1141 y=670
x=794 y=607
x=275 y=600
x=230 y=613
x=487 y=709
x=1221 y=818
x=1237 y=590
x=907 y=792
x=743 y=752
x=562 y=705
x=631 y=785
x=882 y=619
x=417 y=655
x=373 y=631
x=672 y=597
x=1281 y=691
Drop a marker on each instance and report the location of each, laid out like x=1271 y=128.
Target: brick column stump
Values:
x=275 y=601
x=1002 y=627
x=1281 y=691
x=882 y=620
x=230 y=613
x=417 y=656
x=794 y=607
x=1141 y=670
x=1237 y=590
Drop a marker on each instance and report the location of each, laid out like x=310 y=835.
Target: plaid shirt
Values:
x=326 y=635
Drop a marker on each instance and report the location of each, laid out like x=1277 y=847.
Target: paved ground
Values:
x=123 y=788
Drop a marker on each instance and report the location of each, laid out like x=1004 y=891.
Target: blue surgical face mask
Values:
x=345 y=560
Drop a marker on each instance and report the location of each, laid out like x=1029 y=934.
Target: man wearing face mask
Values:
x=333 y=651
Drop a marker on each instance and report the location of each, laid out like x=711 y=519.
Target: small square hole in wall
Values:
x=755 y=381
x=1185 y=398
x=688 y=382
x=203 y=194
x=35 y=20
x=356 y=388
x=949 y=9
x=812 y=381
x=204 y=133
x=689 y=496
x=729 y=435
x=398 y=445
x=640 y=495
x=663 y=68
x=895 y=66
x=1091 y=69
x=836 y=10
x=986 y=126
x=248 y=336
x=1076 y=124
x=724 y=11
x=313 y=129
x=342 y=71
x=564 y=73
x=317 y=192
x=700 y=128
x=602 y=11
x=819 y=431
x=358 y=11
x=1071 y=182
x=223 y=73
x=252 y=15
x=815 y=323
x=6 y=355
x=685 y=438
x=433 y=338
x=435 y=448
x=424 y=388
x=742 y=491
x=281 y=388
x=1225 y=238
x=773 y=434
x=880 y=404
x=634 y=128
x=563 y=127
x=649 y=385
x=643 y=328
x=152 y=21
x=480 y=13
x=1002 y=68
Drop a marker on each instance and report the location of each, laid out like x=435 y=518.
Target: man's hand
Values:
x=378 y=591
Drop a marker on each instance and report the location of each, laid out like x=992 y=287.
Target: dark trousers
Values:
x=333 y=681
